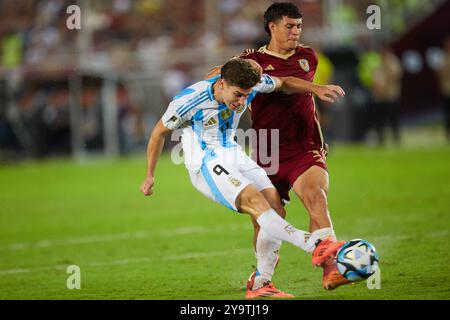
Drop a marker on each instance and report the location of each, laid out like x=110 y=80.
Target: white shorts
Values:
x=222 y=177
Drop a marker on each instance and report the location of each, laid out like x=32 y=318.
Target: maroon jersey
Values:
x=293 y=115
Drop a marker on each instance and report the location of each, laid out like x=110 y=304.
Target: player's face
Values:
x=286 y=32
x=234 y=97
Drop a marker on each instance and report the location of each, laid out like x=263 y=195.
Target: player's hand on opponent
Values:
x=329 y=93
x=147 y=186
x=215 y=71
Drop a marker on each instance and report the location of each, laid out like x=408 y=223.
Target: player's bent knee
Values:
x=252 y=201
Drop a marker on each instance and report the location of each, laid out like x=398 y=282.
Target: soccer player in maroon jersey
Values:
x=302 y=151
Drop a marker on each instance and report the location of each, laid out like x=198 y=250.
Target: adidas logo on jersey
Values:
x=211 y=122
x=269 y=68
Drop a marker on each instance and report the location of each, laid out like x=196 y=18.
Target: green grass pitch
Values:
x=177 y=244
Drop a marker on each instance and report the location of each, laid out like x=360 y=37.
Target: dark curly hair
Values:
x=278 y=10
x=240 y=73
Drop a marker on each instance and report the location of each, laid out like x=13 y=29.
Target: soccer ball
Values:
x=357 y=260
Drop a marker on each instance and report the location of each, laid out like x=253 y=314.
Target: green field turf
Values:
x=177 y=244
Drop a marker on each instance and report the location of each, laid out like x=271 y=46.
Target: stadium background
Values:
x=77 y=106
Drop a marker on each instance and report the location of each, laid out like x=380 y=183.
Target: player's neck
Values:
x=217 y=92
x=274 y=47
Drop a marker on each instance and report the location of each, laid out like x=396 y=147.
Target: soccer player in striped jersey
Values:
x=209 y=112
x=302 y=151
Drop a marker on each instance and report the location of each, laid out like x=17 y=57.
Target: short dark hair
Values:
x=278 y=10
x=240 y=73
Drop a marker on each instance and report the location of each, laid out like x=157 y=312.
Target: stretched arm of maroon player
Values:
x=291 y=85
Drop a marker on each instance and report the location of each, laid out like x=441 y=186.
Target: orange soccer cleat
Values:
x=251 y=279
x=332 y=278
x=325 y=249
x=267 y=291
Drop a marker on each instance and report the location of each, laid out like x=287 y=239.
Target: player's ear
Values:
x=272 y=26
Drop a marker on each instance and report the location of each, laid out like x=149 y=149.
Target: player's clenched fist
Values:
x=147 y=185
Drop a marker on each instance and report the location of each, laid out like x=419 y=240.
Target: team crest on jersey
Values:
x=304 y=64
x=240 y=109
x=225 y=114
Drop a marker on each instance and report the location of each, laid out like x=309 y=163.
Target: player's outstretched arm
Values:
x=290 y=85
x=154 y=149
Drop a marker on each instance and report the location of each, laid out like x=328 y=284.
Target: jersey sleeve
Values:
x=172 y=118
x=267 y=84
x=182 y=108
x=247 y=54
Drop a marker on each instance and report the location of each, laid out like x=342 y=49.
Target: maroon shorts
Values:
x=293 y=167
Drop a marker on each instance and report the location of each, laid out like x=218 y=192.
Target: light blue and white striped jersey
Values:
x=207 y=124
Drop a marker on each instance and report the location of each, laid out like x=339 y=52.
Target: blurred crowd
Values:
x=38 y=54
x=34 y=32
x=155 y=48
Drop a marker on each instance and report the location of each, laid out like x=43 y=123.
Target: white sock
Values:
x=267 y=252
x=319 y=234
x=278 y=228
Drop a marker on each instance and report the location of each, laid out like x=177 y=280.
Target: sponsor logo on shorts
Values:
x=235 y=182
